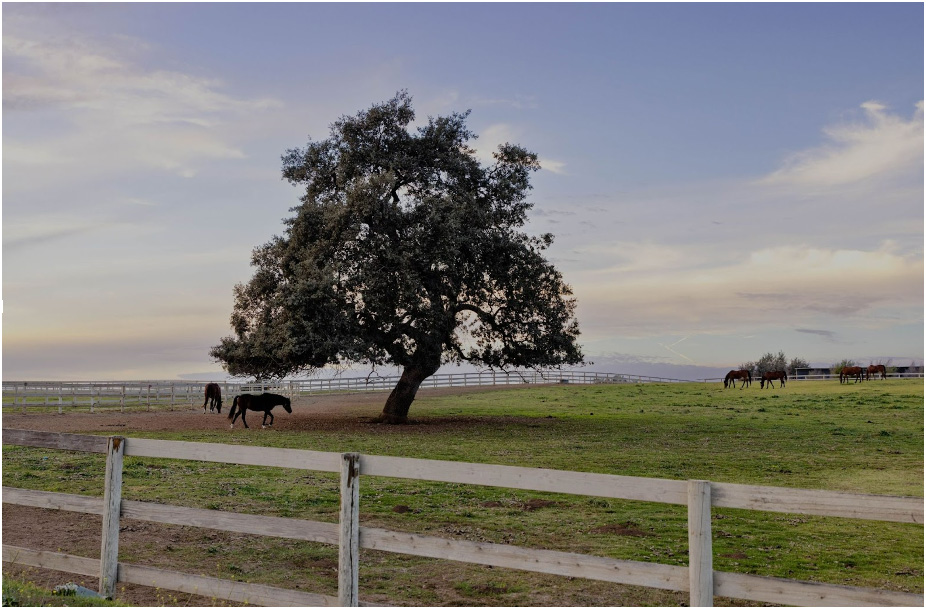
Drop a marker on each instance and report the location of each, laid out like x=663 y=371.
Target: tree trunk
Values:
x=400 y=400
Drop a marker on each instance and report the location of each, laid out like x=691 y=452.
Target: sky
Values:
x=723 y=180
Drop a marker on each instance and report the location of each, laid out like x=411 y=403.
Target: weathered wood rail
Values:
x=124 y=394
x=147 y=393
x=698 y=579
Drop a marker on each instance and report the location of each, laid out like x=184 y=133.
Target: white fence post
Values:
x=349 y=538
x=700 y=551
x=112 y=507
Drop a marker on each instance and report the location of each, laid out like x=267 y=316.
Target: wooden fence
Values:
x=190 y=394
x=698 y=579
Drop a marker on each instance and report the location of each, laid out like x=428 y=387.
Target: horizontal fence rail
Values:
x=124 y=394
x=698 y=579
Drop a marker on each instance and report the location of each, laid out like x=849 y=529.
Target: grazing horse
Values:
x=734 y=375
x=768 y=377
x=214 y=393
x=876 y=369
x=264 y=401
x=850 y=371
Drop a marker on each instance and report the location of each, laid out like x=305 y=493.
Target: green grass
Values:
x=819 y=435
x=18 y=593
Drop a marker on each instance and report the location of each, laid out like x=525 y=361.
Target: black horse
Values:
x=768 y=377
x=264 y=401
x=214 y=393
x=734 y=375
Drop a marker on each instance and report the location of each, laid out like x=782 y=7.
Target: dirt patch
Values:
x=79 y=534
x=737 y=555
x=340 y=412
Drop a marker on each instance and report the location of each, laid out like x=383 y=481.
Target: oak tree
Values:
x=405 y=250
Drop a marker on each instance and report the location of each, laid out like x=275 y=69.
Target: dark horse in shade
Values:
x=214 y=393
x=850 y=372
x=264 y=402
x=735 y=375
x=876 y=369
x=775 y=375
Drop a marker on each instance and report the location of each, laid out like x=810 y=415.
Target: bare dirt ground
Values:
x=79 y=534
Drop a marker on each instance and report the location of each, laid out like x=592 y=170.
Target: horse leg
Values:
x=267 y=413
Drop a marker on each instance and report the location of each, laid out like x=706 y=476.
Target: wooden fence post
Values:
x=349 y=538
x=700 y=551
x=112 y=507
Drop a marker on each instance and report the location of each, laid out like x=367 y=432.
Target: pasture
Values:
x=865 y=438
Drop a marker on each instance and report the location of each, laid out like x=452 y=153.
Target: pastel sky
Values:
x=723 y=180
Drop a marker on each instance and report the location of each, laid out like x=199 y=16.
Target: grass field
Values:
x=864 y=438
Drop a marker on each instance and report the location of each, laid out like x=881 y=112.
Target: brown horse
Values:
x=850 y=371
x=776 y=375
x=264 y=401
x=214 y=393
x=735 y=375
x=876 y=369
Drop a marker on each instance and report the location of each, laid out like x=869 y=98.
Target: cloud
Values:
x=106 y=113
x=557 y=167
x=826 y=334
x=879 y=146
x=42 y=236
x=790 y=286
x=517 y=103
x=493 y=136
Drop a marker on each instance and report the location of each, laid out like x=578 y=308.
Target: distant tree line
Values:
x=848 y=363
x=771 y=362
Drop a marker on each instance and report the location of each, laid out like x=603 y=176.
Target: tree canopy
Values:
x=771 y=362
x=405 y=250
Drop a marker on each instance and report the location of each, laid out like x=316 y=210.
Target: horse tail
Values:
x=234 y=407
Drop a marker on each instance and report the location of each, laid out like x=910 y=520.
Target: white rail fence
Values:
x=124 y=394
x=175 y=393
x=698 y=579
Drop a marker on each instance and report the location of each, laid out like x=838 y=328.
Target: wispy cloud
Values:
x=518 y=102
x=880 y=145
x=792 y=285
x=493 y=136
x=110 y=113
x=40 y=236
x=825 y=334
